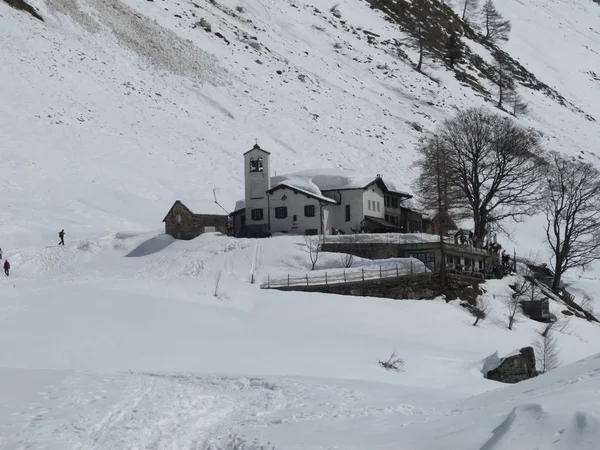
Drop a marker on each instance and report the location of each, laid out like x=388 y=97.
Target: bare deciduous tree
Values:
x=313 y=249
x=571 y=199
x=497 y=166
x=469 y=9
x=522 y=290
x=392 y=363
x=546 y=351
x=494 y=25
x=436 y=190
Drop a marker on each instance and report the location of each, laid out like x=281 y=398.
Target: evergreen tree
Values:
x=495 y=27
x=453 y=50
x=469 y=8
x=504 y=80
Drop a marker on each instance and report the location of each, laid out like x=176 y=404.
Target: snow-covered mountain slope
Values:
x=111 y=110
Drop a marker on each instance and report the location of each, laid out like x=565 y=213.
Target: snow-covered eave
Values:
x=302 y=191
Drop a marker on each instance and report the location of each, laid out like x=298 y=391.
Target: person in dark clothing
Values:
x=61 y=235
x=6 y=267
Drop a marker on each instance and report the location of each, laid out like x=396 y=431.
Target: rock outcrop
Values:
x=514 y=368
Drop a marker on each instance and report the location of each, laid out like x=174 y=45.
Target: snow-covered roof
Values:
x=240 y=204
x=203 y=206
x=318 y=195
x=319 y=180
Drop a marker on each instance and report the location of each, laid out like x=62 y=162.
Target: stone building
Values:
x=182 y=223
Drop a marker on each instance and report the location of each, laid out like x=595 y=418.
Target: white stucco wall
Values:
x=337 y=213
x=295 y=203
x=373 y=202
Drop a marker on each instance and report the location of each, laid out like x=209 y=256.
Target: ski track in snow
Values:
x=159 y=411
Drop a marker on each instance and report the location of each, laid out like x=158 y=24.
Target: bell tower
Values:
x=257 y=180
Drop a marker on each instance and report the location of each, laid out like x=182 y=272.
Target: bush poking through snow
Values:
x=335 y=10
x=347 y=260
x=205 y=24
x=217 y=291
x=480 y=311
x=393 y=363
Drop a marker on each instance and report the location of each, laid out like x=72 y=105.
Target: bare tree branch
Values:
x=571 y=198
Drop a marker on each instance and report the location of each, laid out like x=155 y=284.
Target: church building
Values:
x=317 y=202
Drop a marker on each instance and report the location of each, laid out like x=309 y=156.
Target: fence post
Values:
x=288 y=280
x=268 y=281
x=411 y=267
x=307 y=279
x=380 y=274
x=344 y=275
x=397 y=273
x=363 y=274
x=325 y=278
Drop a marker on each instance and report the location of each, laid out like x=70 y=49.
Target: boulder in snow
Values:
x=513 y=368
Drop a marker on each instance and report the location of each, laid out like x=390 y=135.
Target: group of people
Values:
x=463 y=238
x=6 y=264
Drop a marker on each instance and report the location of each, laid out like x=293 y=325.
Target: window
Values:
x=309 y=211
x=281 y=212
x=347 y=213
x=369 y=204
x=386 y=200
x=257 y=214
x=294 y=217
x=256 y=165
x=378 y=206
x=427 y=258
x=394 y=202
x=311 y=232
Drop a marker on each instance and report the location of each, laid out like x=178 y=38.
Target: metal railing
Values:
x=345 y=276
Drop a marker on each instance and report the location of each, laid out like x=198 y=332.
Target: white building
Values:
x=315 y=201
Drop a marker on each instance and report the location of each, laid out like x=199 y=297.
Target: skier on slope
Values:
x=61 y=235
x=0 y=254
x=6 y=267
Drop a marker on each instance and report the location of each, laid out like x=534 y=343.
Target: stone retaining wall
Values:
x=416 y=287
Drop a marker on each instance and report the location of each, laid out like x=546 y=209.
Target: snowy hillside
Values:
x=111 y=110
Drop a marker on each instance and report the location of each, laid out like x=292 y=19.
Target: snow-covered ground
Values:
x=130 y=340
x=124 y=338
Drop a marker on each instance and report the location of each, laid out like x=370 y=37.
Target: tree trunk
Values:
x=557 y=275
x=420 y=63
x=479 y=231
